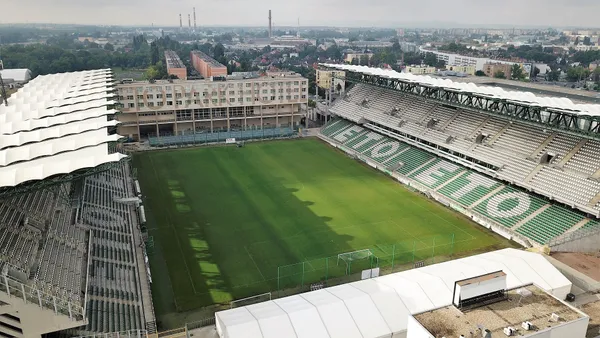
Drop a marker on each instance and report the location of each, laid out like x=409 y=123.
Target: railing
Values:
x=123 y=334
x=34 y=296
x=201 y=323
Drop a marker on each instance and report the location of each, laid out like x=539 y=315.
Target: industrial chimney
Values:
x=180 y=22
x=194 y=19
x=189 y=22
x=270 y=27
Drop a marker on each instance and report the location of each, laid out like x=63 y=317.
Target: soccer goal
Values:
x=263 y=297
x=365 y=255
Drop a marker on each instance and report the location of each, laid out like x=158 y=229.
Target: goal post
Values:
x=263 y=297
x=349 y=258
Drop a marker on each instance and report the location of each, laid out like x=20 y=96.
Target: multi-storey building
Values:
x=207 y=66
x=174 y=65
x=179 y=107
x=419 y=70
x=491 y=69
x=325 y=78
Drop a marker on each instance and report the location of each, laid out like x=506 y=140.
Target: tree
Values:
x=219 y=51
x=576 y=41
x=499 y=75
x=553 y=75
x=154 y=53
x=516 y=72
x=536 y=72
x=109 y=47
x=479 y=73
x=430 y=59
x=364 y=60
x=575 y=74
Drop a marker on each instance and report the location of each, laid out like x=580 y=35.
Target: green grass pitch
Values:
x=224 y=218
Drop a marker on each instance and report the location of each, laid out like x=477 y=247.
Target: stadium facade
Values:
x=207 y=106
x=72 y=257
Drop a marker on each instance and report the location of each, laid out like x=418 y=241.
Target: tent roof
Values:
x=527 y=98
x=19 y=75
x=380 y=307
x=56 y=124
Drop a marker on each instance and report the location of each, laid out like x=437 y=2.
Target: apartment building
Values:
x=325 y=78
x=174 y=65
x=419 y=70
x=183 y=106
x=490 y=69
x=207 y=66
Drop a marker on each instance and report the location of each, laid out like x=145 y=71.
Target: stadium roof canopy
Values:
x=527 y=98
x=380 y=307
x=57 y=124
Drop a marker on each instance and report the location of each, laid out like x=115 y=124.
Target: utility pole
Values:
x=3 y=91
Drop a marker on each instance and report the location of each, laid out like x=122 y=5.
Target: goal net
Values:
x=363 y=259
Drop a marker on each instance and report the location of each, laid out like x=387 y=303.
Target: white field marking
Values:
x=255 y=265
x=187 y=269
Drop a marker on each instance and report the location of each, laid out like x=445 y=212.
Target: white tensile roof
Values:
x=380 y=307
x=562 y=104
x=57 y=124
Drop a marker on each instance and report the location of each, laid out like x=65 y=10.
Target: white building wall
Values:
x=414 y=329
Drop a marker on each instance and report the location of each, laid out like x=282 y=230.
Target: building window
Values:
x=223 y=100
x=169 y=96
x=241 y=99
x=205 y=101
x=222 y=93
x=196 y=94
x=159 y=104
x=248 y=84
x=296 y=97
x=248 y=99
x=272 y=98
x=150 y=96
x=303 y=96
x=159 y=96
x=140 y=105
x=129 y=97
x=231 y=92
x=177 y=95
x=232 y=100
x=168 y=88
x=215 y=101
x=169 y=103
x=150 y=104
x=131 y=105
x=178 y=102
x=121 y=98
x=296 y=83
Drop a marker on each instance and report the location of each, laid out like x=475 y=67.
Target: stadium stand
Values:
x=515 y=147
x=523 y=213
x=71 y=249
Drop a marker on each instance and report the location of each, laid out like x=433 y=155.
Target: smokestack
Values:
x=180 y=22
x=270 y=27
x=194 y=19
x=298 y=32
x=189 y=22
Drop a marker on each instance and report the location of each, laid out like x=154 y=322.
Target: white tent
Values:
x=16 y=75
x=380 y=307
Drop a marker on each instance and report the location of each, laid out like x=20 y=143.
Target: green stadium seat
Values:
x=457 y=189
x=516 y=206
x=412 y=159
x=550 y=223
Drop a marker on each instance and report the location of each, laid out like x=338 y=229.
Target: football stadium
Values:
x=422 y=208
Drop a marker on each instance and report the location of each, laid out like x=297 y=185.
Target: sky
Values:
x=347 y=13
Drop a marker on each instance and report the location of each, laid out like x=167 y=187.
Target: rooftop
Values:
x=269 y=77
x=208 y=59
x=173 y=60
x=536 y=308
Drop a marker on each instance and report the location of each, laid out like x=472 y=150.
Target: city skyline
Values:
x=347 y=13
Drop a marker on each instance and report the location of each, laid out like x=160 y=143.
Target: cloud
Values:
x=395 y=13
